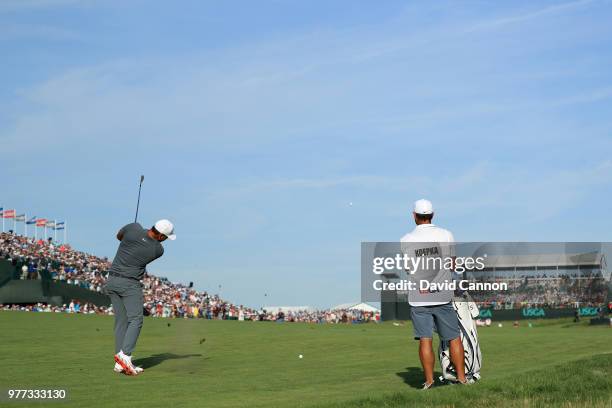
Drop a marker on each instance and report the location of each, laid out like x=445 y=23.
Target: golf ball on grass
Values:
x=300 y=356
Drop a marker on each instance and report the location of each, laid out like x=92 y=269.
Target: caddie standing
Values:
x=138 y=248
x=432 y=308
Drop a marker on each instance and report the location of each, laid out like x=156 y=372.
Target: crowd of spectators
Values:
x=45 y=259
x=303 y=316
x=72 y=307
x=551 y=292
x=321 y=316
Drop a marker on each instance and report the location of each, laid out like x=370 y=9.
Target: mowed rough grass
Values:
x=255 y=364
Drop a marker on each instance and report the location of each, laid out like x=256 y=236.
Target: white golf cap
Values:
x=165 y=227
x=423 y=207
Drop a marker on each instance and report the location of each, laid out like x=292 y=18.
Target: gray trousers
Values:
x=127 y=298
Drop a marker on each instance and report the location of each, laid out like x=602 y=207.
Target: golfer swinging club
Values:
x=429 y=309
x=138 y=248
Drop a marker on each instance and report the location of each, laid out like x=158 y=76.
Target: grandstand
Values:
x=545 y=280
x=42 y=275
x=35 y=273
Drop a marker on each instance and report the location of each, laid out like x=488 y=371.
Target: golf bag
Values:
x=467 y=311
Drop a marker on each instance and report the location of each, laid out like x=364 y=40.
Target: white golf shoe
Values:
x=123 y=363
x=119 y=369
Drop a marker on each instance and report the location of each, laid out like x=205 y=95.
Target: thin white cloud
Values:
x=287 y=87
x=30 y=5
x=535 y=194
x=428 y=37
x=265 y=186
x=470 y=177
x=520 y=18
x=12 y=32
x=590 y=96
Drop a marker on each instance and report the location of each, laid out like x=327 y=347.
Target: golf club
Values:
x=138 y=203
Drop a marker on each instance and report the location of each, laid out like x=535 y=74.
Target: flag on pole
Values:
x=50 y=224
x=59 y=226
x=20 y=218
x=41 y=222
x=8 y=214
x=31 y=220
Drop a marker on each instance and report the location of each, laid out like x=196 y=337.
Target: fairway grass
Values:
x=255 y=364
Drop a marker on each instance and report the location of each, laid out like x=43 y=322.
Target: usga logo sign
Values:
x=588 y=311
x=534 y=312
x=484 y=313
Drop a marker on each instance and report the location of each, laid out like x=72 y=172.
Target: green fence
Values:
x=6 y=271
x=394 y=310
x=16 y=291
x=400 y=311
x=55 y=293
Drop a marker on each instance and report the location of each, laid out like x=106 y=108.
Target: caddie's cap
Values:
x=423 y=207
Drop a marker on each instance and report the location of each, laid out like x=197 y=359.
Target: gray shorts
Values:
x=442 y=317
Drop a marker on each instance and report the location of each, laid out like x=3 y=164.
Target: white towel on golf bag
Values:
x=467 y=311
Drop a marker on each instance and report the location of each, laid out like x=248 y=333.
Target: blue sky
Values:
x=257 y=123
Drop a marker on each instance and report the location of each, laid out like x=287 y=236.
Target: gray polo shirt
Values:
x=135 y=251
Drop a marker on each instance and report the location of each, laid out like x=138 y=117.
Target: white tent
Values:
x=364 y=307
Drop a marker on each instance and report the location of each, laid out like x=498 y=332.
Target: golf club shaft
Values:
x=138 y=202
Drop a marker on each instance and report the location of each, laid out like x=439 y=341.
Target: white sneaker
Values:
x=119 y=369
x=125 y=362
x=427 y=386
